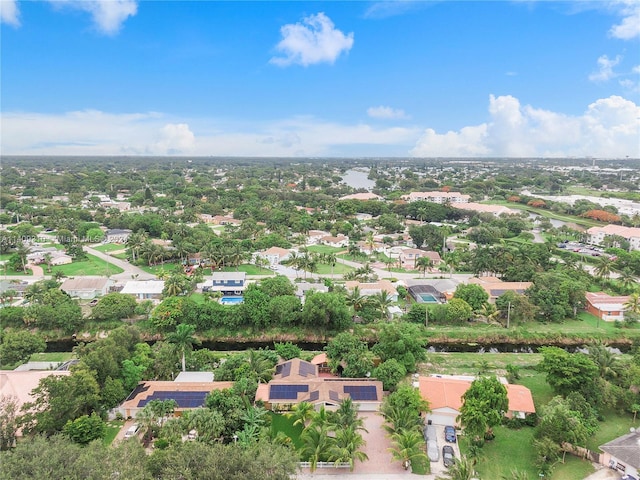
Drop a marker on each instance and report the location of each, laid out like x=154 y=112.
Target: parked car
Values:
x=93 y=302
x=450 y=434
x=132 y=431
x=448 y=456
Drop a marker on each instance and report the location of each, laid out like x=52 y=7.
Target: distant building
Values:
x=144 y=289
x=361 y=196
x=374 y=288
x=409 y=257
x=116 y=235
x=606 y=307
x=86 y=287
x=496 y=287
x=597 y=235
x=437 y=197
x=495 y=210
x=275 y=255
x=228 y=283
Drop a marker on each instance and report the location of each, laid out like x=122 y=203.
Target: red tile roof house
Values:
x=496 y=287
x=444 y=395
x=339 y=241
x=606 y=307
x=623 y=454
x=298 y=381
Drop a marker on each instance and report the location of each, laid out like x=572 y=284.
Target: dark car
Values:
x=448 y=457
x=450 y=434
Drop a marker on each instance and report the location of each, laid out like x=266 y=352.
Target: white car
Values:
x=132 y=431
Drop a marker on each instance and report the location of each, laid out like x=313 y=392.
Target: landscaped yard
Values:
x=109 y=247
x=338 y=269
x=113 y=427
x=282 y=423
x=168 y=267
x=51 y=357
x=91 y=266
x=325 y=249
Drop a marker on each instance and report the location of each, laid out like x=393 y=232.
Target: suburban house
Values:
x=314 y=236
x=144 y=289
x=228 y=283
x=606 y=307
x=631 y=234
x=374 y=288
x=369 y=249
x=61 y=259
x=361 y=196
x=409 y=256
x=495 y=210
x=298 y=381
x=623 y=454
x=187 y=394
x=426 y=293
x=437 y=197
x=86 y=288
x=496 y=287
x=275 y=255
x=339 y=241
x=16 y=286
x=116 y=235
x=444 y=394
x=302 y=288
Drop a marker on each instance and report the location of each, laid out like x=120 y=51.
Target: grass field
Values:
x=113 y=427
x=338 y=269
x=325 y=249
x=614 y=426
x=168 y=267
x=91 y=266
x=281 y=423
x=109 y=247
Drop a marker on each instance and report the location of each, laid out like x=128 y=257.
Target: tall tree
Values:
x=184 y=340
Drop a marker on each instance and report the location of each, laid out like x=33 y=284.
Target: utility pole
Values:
x=426 y=315
x=508 y=314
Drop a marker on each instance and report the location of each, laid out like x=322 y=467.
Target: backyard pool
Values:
x=231 y=300
x=428 y=298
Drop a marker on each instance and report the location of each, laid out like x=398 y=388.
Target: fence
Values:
x=325 y=465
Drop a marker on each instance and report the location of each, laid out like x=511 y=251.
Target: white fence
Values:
x=325 y=465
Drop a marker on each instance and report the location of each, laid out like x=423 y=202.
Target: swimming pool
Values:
x=231 y=300
x=428 y=298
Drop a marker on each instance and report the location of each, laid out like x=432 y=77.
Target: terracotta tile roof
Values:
x=448 y=392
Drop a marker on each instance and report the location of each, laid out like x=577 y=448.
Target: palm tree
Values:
x=301 y=413
x=355 y=299
x=317 y=445
x=408 y=447
x=633 y=304
x=348 y=443
x=462 y=469
x=389 y=262
x=627 y=279
x=47 y=260
x=22 y=251
x=184 y=340
x=400 y=419
x=177 y=284
x=331 y=259
x=604 y=267
x=259 y=365
x=135 y=241
x=382 y=301
x=424 y=263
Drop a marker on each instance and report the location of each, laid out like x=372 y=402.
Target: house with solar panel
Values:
x=188 y=394
x=298 y=381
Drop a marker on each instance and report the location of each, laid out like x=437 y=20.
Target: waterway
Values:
x=358 y=179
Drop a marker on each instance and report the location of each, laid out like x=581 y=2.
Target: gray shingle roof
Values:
x=625 y=448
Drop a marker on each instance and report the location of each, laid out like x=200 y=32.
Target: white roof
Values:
x=134 y=287
x=197 y=377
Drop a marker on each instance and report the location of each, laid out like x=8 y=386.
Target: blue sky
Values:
x=400 y=78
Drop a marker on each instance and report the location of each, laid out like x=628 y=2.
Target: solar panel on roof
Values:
x=334 y=396
x=313 y=396
x=361 y=392
x=183 y=399
x=307 y=369
x=286 y=392
x=284 y=369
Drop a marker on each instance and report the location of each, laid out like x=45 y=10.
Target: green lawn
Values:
x=467 y=363
x=537 y=383
x=281 y=423
x=91 y=266
x=338 y=269
x=248 y=269
x=168 y=267
x=51 y=357
x=113 y=427
x=614 y=426
x=511 y=450
x=325 y=249
x=109 y=247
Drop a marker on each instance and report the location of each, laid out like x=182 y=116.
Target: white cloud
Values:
x=629 y=26
x=605 y=71
x=176 y=139
x=392 y=8
x=609 y=128
x=9 y=12
x=108 y=15
x=385 y=112
x=315 y=40
x=98 y=133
